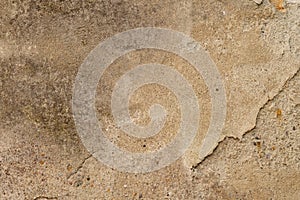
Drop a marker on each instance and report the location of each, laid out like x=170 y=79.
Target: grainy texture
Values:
x=255 y=46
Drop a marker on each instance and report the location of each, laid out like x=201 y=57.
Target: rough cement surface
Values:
x=256 y=48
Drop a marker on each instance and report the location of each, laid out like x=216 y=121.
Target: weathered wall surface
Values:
x=255 y=46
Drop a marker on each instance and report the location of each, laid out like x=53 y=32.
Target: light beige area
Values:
x=255 y=47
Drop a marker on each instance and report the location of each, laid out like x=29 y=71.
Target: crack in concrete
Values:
x=44 y=197
x=256 y=120
x=258 y=2
x=79 y=167
x=49 y=197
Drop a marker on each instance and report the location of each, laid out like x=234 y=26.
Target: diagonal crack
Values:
x=79 y=167
x=251 y=129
